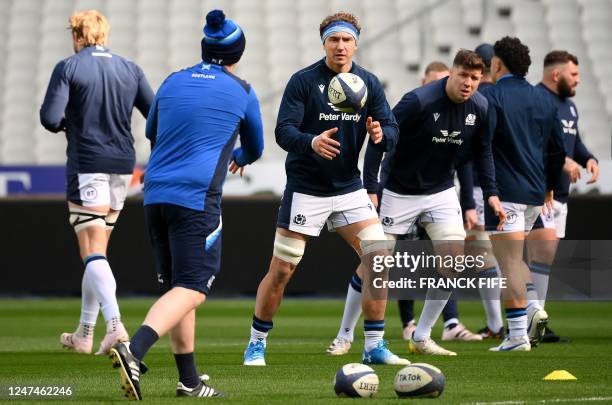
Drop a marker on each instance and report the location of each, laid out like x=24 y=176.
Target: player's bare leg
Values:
x=98 y=286
x=359 y=235
x=478 y=243
x=508 y=249
x=542 y=246
x=272 y=287
x=288 y=250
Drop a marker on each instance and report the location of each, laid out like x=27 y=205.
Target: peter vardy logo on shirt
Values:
x=470 y=119
x=448 y=137
x=568 y=127
x=335 y=117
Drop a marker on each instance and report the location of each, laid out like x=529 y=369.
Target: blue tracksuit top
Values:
x=436 y=135
x=193 y=125
x=574 y=148
x=91 y=96
x=527 y=141
x=305 y=112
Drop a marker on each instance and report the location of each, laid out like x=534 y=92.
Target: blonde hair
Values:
x=90 y=27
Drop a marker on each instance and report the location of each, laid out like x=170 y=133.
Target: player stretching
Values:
x=529 y=155
x=91 y=96
x=183 y=185
x=323 y=181
x=561 y=76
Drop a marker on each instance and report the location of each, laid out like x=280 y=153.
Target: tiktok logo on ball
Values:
x=299 y=219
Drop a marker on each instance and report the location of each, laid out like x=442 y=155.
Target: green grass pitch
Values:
x=298 y=371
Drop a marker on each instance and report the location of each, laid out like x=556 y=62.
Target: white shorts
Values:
x=556 y=220
x=399 y=213
x=520 y=217
x=96 y=189
x=479 y=200
x=307 y=214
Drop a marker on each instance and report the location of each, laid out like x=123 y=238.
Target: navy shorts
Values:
x=186 y=245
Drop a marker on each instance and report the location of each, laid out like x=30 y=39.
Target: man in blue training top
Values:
x=559 y=81
x=323 y=181
x=440 y=124
x=529 y=155
x=91 y=96
x=194 y=122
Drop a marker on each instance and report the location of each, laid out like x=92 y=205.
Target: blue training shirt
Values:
x=91 y=96
x=527 y=143
x=575 y=149
x=435 y=135
x=305 y=112
x=193 y=125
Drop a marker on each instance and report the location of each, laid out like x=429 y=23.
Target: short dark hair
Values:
x=340 y=16
x=514 y=54
x=557 y=57
x=469 y=60
x=436 y=66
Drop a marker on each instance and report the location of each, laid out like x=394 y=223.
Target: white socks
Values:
x=89 y=304
x=99 y=278
x=491 y=301
x=352 y=310
x=258 y=336
x=435 y=300
x=372 y=338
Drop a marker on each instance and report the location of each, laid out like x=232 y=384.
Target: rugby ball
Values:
x=347 y=92
x=356 y=380
x=419 y=380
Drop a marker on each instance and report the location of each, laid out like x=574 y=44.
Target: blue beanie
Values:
x=485 y=51
x=223 y=42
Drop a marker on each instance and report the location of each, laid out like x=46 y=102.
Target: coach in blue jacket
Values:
x=196 y=117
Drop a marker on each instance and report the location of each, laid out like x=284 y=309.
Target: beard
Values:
x=564 y=89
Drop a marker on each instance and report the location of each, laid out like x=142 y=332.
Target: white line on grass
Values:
x=543 y=401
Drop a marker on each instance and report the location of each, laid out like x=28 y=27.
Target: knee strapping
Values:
x=372 y=238
x=439 y=232
x=288 y=249
x=111 y=219
x=81 y=219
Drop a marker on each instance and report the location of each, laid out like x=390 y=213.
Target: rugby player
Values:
x=90 y=97
x=560 y=78
x=323 y=180
x=529 y=155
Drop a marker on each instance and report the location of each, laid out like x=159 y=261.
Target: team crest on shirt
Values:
x=511 y=217
x=470 y=119
x=299 y=219
x=387 y=221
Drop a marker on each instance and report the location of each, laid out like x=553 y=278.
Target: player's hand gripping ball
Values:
x=347 y=92
x=356 y=380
